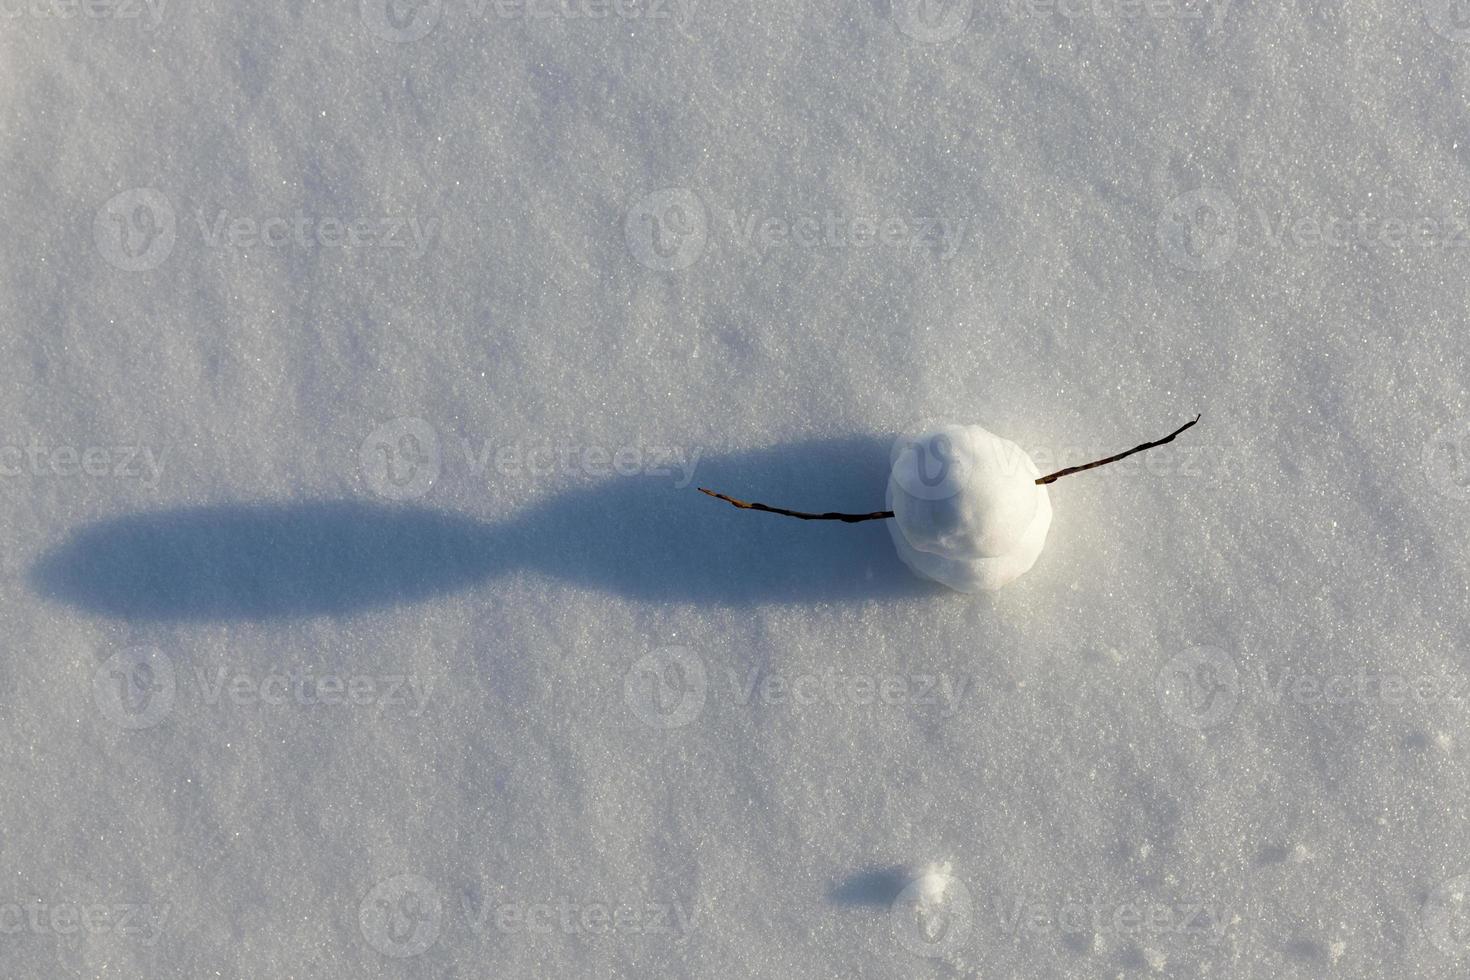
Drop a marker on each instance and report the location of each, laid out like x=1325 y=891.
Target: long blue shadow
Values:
x=635 y=537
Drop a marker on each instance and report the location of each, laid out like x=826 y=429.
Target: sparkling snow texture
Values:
x=362 y=619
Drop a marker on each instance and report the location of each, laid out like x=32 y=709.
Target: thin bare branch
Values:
x=1054 y=477
x=881 y=515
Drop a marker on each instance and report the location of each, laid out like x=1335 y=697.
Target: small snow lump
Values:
x=967 y=510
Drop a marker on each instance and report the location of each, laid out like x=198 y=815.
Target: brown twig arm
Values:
x=1054 y=477
x=881 y=515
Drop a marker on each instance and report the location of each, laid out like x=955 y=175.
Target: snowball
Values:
x=930 y=886
x=967 y=509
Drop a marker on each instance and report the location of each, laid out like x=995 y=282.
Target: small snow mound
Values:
x=931 y=885
x=967 y=510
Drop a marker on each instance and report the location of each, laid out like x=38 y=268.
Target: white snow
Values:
x=932 y=883
x=967 y=511
x=358 y=367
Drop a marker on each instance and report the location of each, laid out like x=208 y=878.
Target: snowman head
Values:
x=967 y=510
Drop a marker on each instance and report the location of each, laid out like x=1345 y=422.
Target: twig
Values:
x=884 y=515
x=881 y=515
x=1054 y=477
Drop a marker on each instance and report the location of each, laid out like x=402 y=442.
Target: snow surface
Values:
x=967 y=511
x=361 y=615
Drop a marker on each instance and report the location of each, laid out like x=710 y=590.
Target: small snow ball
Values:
x=967 y=509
